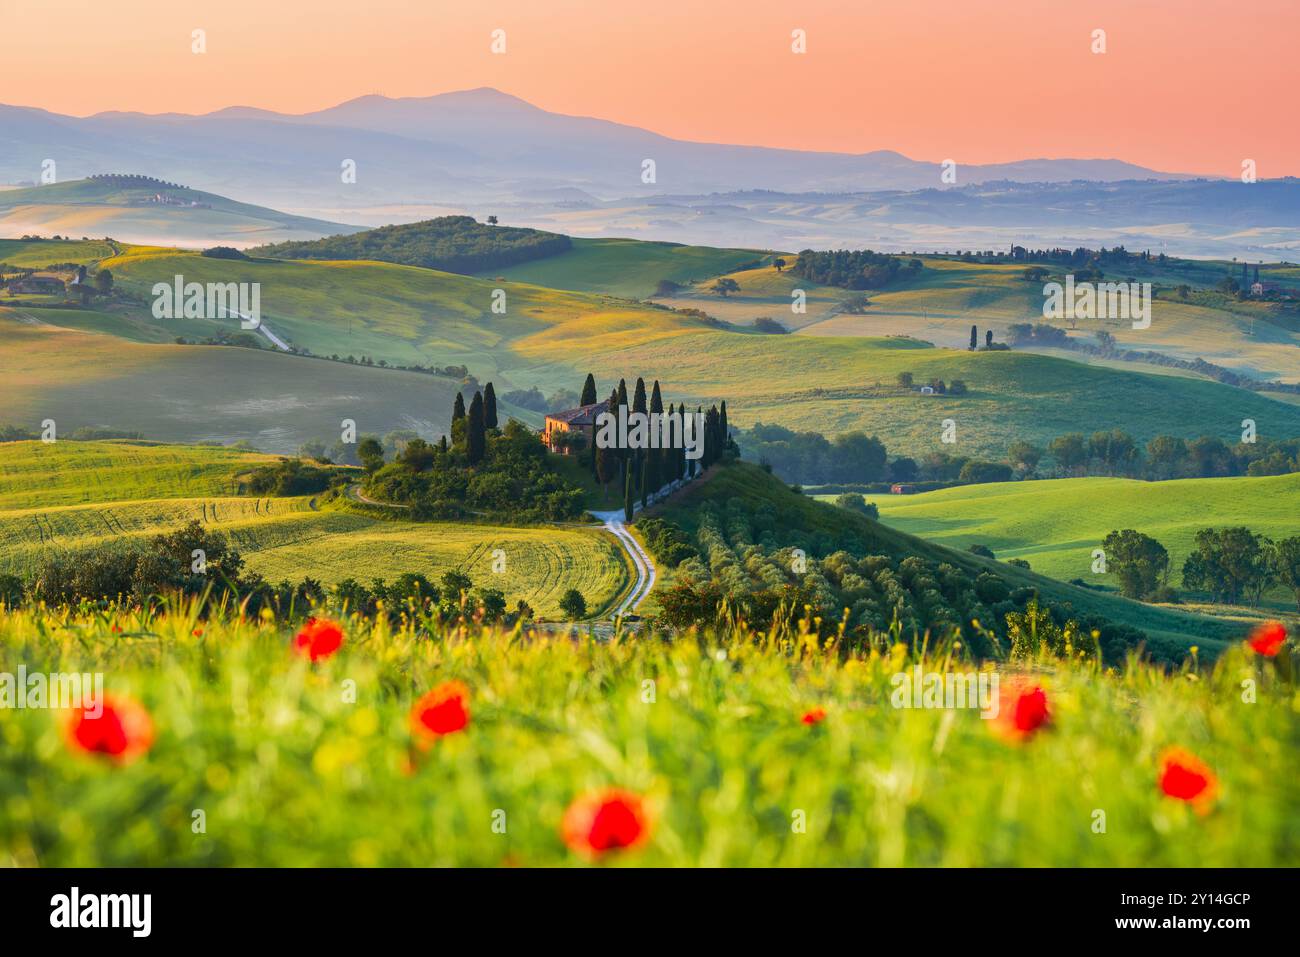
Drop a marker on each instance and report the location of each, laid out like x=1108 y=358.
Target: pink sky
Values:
x=1185 y=85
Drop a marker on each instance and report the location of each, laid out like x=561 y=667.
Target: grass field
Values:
x=71 y=495
x=204 y=393
x=35 y=254
x=550 y=339
x=764 y=291
x=289 y=768
x=1257 y=339
x=1055 y=524
x=625 y=267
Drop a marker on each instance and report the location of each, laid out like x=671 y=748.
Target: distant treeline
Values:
x=451 y=243
x=853 y=268
x=16 y=433
x=855 y=459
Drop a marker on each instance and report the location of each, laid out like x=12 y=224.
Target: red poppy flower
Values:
x=1022 y=710
x=1186 y=777
x=444 y=710
x=1267 y=638
x=121 y=730
x=198 y=632
x=318 y=639
x=604 y=821
x=813 y=716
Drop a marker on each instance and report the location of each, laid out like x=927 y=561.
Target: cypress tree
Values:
x=622 y=392
x=679 y=454
x=605 y=460
x=657 y=457
x=490 y=406
x=588 y=391
x=458 y=421
x=724 y=433
x=476 y=432
x=627 y=495
x=645 y=481
x=974 y=338
x=639 y=455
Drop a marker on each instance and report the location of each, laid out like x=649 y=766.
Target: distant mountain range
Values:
x=485 y=152
x=476 y=142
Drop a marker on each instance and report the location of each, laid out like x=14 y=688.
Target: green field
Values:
x=948 y=297
x=764 y=291
x=1055 y=524
x=550 y=339
x=70 y=495
x=87 y=207
x=289 y=771
x=204 y=393
x=36 y=254
x=630 y=268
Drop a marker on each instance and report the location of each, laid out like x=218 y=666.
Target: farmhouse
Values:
x=901 y=488
x=564 y=428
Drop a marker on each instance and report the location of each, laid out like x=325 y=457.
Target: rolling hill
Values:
x=1168 y=628
x=1055 y=524
x=1258 y=339
x=126 y=208
x=550 y=339
x=631 y=268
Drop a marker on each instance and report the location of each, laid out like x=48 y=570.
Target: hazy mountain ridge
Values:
x=482 y=152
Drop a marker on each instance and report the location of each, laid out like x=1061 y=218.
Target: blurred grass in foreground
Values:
x=288 y=770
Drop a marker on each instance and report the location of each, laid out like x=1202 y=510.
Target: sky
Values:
x=1193 y=86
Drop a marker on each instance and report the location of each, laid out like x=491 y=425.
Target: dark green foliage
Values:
x=223 y=252
x=371 y=454
x=854 y=269
x=810 y=459
x=667 y=542
x=573 y=605
x=979 y=472
x=1139 y=562
x=856 y=502
x=588 y=396
x=512 y=481
x=981 y=550
x=489 y=406
x=290 y=477
x=450 y=243
x=1231 y=564
x=770 y=326
x=476 y=431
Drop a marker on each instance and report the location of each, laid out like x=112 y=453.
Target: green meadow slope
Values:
x=631 y=268
x=1055 y=524
x=1166 y=627
x=35 y=254
x=202 y=393
x=70 y=495
x=122 y=209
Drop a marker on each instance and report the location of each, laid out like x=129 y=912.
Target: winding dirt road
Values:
x=645 y=568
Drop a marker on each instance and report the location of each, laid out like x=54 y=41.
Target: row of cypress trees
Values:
x=644 y=472
x=471 y=428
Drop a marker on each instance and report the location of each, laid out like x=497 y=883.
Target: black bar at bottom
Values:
x=332 y=907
